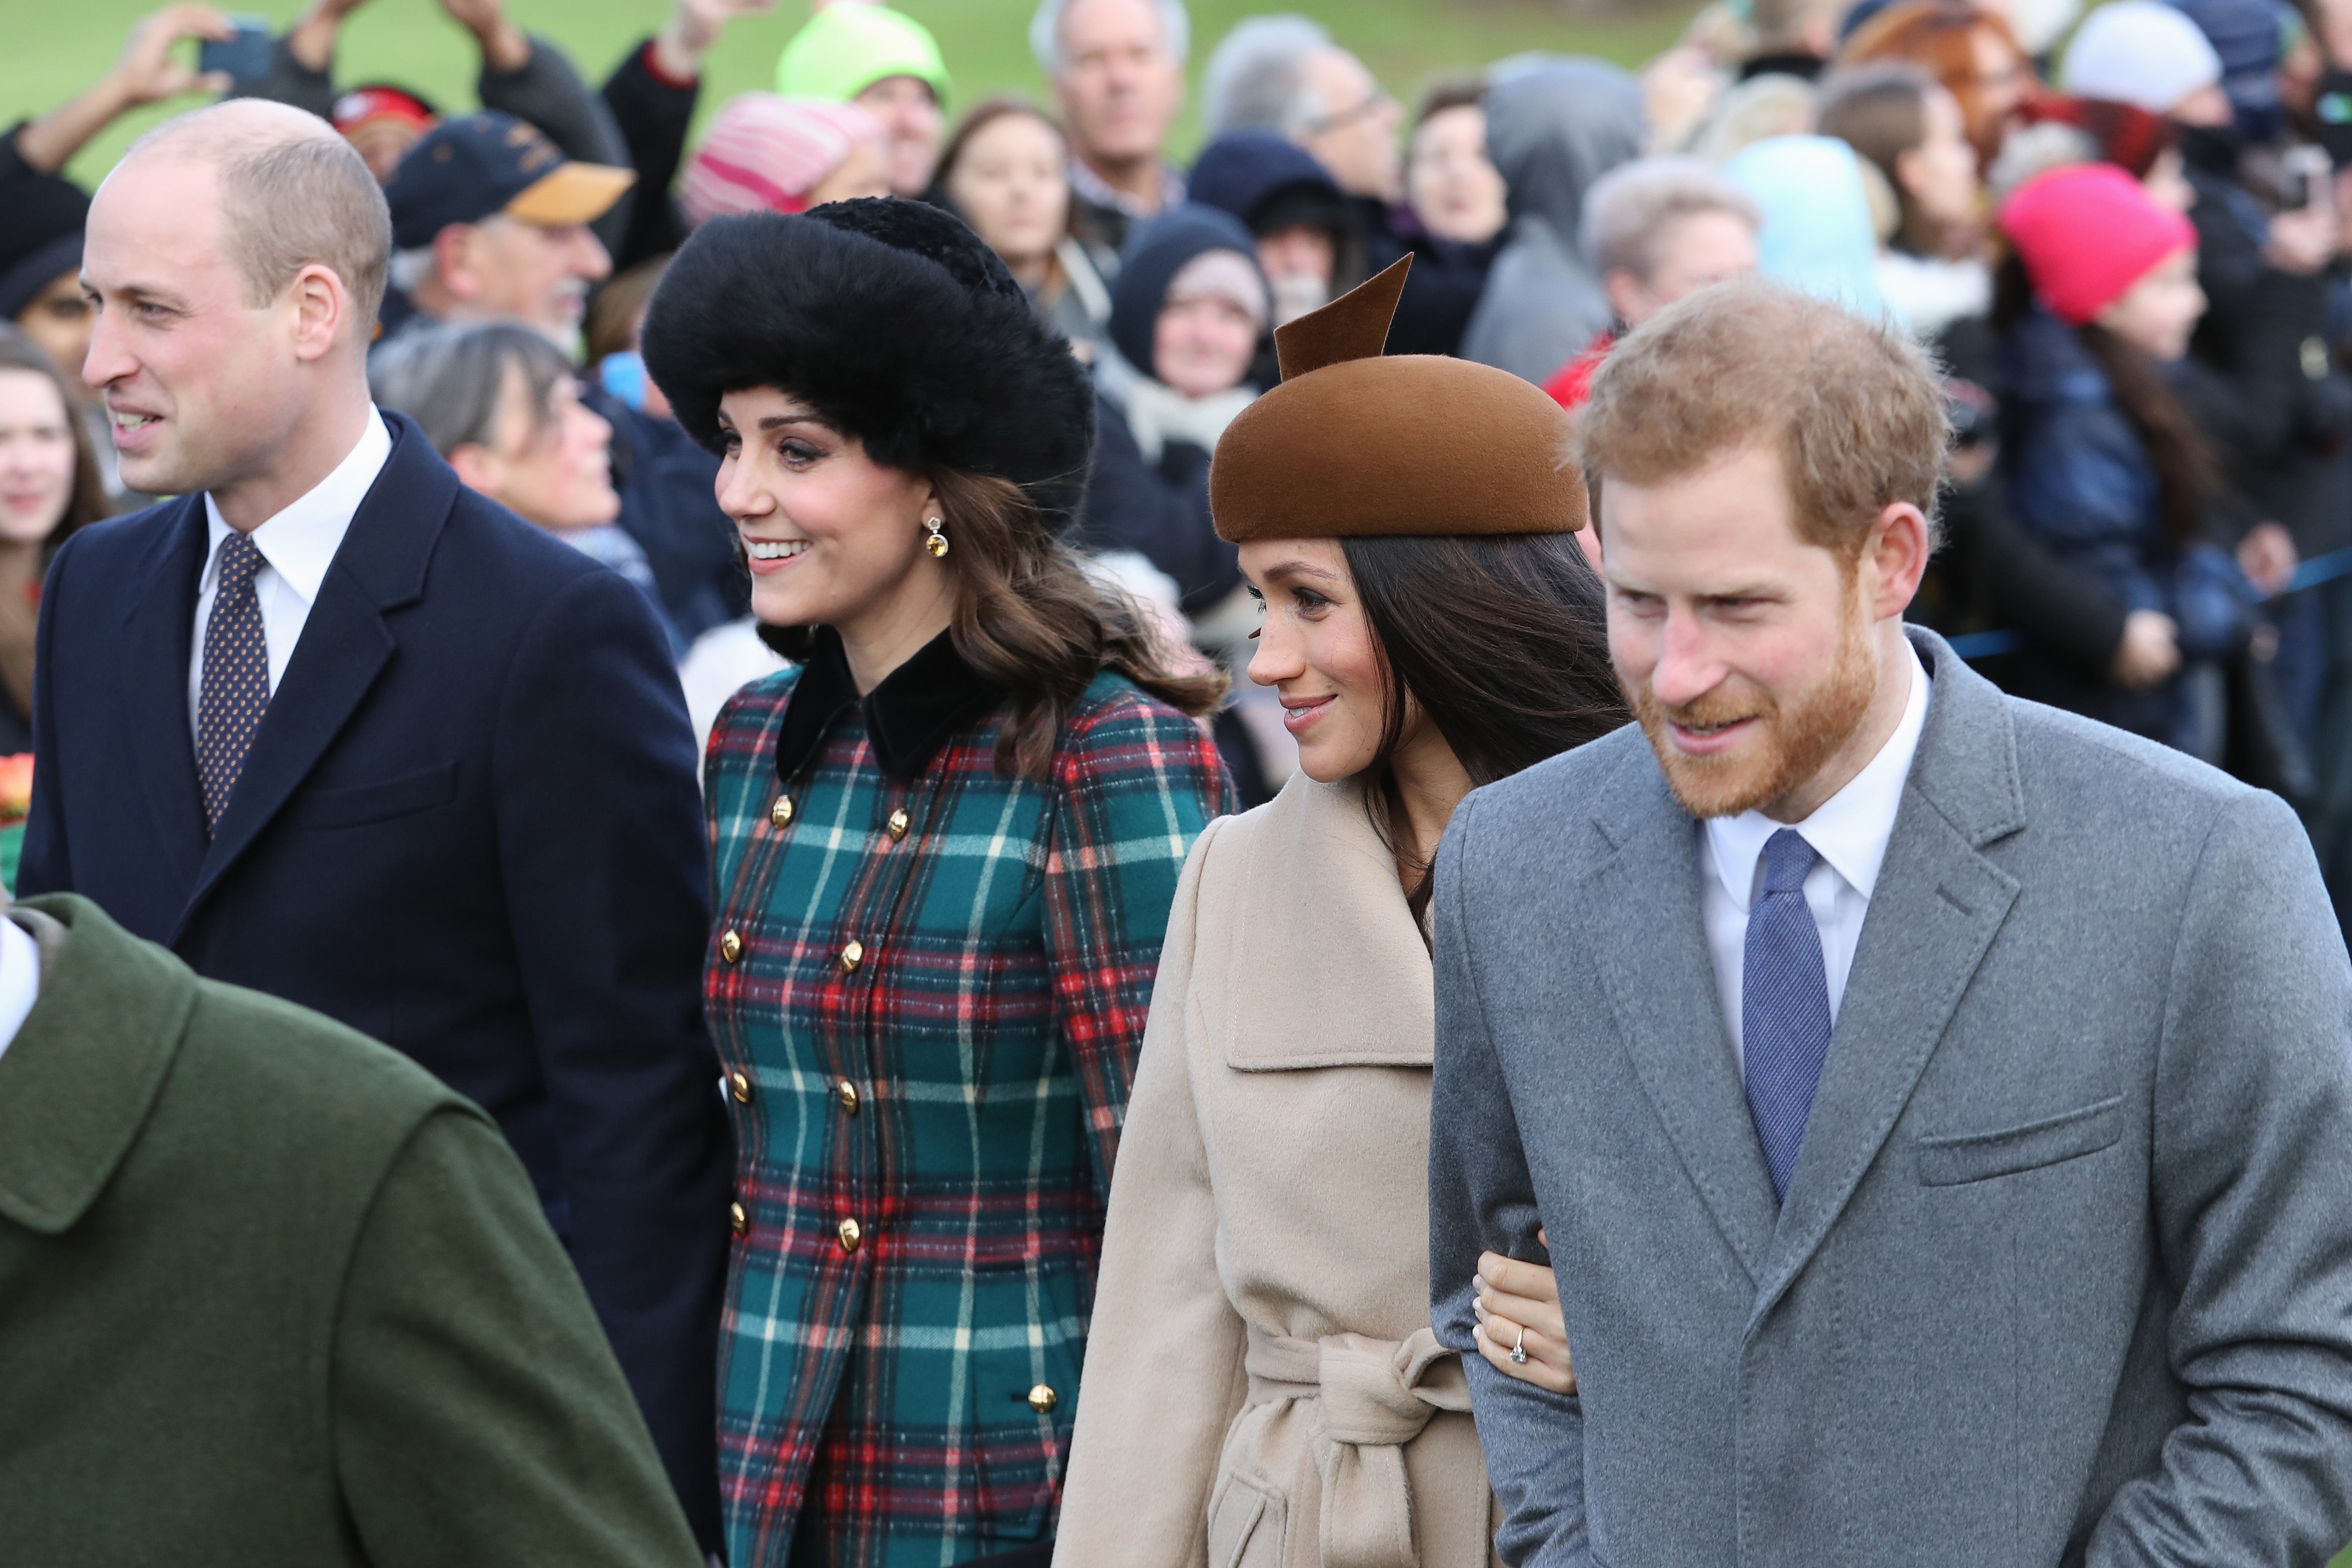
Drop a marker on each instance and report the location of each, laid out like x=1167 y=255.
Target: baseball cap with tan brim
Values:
x=477 y=165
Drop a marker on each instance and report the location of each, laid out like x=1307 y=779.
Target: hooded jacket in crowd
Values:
x=1148 y=488
x=1270 y=184
x=1553 y=127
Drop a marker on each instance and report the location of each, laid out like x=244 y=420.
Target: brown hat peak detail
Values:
x=1353 y=327
x=1354 y=441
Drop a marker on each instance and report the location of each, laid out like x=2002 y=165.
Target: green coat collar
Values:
x=77 y=1083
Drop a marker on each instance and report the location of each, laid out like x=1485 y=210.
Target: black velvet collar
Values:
x=907 y=717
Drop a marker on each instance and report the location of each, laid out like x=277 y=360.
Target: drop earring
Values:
x=938 y=543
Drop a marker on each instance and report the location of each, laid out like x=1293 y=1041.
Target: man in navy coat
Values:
x=334 y=727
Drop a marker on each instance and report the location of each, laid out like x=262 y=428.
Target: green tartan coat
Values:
x=928 y=983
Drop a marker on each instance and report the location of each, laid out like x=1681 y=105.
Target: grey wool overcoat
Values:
x=2065 y=1270
x=1261 y=1386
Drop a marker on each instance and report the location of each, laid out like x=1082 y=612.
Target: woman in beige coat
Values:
x=1262 y=1388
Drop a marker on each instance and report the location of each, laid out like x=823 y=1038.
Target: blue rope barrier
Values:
x=2319 y=568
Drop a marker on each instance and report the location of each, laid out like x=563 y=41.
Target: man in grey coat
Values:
x=1939 y=1107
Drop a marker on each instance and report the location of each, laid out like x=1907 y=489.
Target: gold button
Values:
x=897 y=827
x=731 y=946
x=780 y=813
x=739 y=1219
x=851 y=1234
x=1042 y=1399
x=851 y=956
x=847 y=1092
x=742 y=1085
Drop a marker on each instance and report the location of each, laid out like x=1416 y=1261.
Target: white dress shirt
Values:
x=297 y=547
x=20 y=978
x=1849 y=832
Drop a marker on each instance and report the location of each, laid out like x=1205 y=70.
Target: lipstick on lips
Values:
x=1298 y=713
x=769 y=556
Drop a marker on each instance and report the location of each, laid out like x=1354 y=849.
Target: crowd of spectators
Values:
x=2124 y=234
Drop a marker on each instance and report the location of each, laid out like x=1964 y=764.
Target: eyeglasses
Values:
x=1376 y=102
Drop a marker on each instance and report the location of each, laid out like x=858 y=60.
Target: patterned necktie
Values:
x=1784 y=1006
x=236 y=677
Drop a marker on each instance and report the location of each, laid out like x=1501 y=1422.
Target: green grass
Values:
x=55 y=48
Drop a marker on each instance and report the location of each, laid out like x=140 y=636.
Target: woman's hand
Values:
x=1518 y=1308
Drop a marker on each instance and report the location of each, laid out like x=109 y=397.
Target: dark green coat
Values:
x=271 y=1294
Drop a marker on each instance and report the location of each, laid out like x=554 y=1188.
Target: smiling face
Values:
x=1203 y=346
x=37 y=456
x=833 y=538
x=1755 y=660
x=1317 y=650
x=203 y=386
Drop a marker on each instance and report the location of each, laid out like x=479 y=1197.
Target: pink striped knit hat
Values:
x=766 y=153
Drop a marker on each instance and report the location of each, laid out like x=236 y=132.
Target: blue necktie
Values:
x=1784 y=1006
x=236 y=689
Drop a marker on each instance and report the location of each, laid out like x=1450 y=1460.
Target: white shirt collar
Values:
x=300 y=543
x=1850 y=829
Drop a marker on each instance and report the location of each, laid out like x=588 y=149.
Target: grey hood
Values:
x=1556 y=124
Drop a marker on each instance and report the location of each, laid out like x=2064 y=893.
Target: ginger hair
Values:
x=1854 y=408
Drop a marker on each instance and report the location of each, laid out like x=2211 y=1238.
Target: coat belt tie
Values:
x=1373 y=1396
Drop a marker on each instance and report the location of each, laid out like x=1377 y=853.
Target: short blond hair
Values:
x=293 y=193
x=1854 y=408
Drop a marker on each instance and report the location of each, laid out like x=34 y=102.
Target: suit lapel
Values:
x=156 y=638
x=1660 y=980
x=345 y=644
x=1939 y=904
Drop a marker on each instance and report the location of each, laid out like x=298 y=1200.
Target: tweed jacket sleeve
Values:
x=1482 y=1198
x=479 y=1413
x=1137 y=782
x=2253 y=1118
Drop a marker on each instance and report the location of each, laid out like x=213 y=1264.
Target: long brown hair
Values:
x=1940 y=37
x=1031 y=618
x=1503 y=641
x=2188 y=475
x=88 y=503
x=1881 y=111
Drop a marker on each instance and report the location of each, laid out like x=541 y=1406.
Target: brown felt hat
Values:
x=1354 y=441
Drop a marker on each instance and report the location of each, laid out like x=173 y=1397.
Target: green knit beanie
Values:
x=848 y=48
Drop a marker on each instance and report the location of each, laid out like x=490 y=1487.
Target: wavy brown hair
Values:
x=1030 y=618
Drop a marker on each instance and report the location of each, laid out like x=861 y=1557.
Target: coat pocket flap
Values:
x=396 y=797
x=1980 y=1156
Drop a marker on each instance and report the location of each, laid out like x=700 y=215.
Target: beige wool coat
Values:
x=1262 y=1389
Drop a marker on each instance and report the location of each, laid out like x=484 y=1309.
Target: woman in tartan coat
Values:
x=944 y=849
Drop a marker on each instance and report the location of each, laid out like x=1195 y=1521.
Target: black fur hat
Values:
x=894 y=322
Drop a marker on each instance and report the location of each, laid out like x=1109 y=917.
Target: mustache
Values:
x=1715 y=706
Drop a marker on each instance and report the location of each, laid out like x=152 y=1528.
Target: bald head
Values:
x=293 y=193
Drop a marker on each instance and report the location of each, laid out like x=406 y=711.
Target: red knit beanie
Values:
x=2087 y=234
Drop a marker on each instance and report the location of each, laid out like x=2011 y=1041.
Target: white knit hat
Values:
x=2141 y=53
